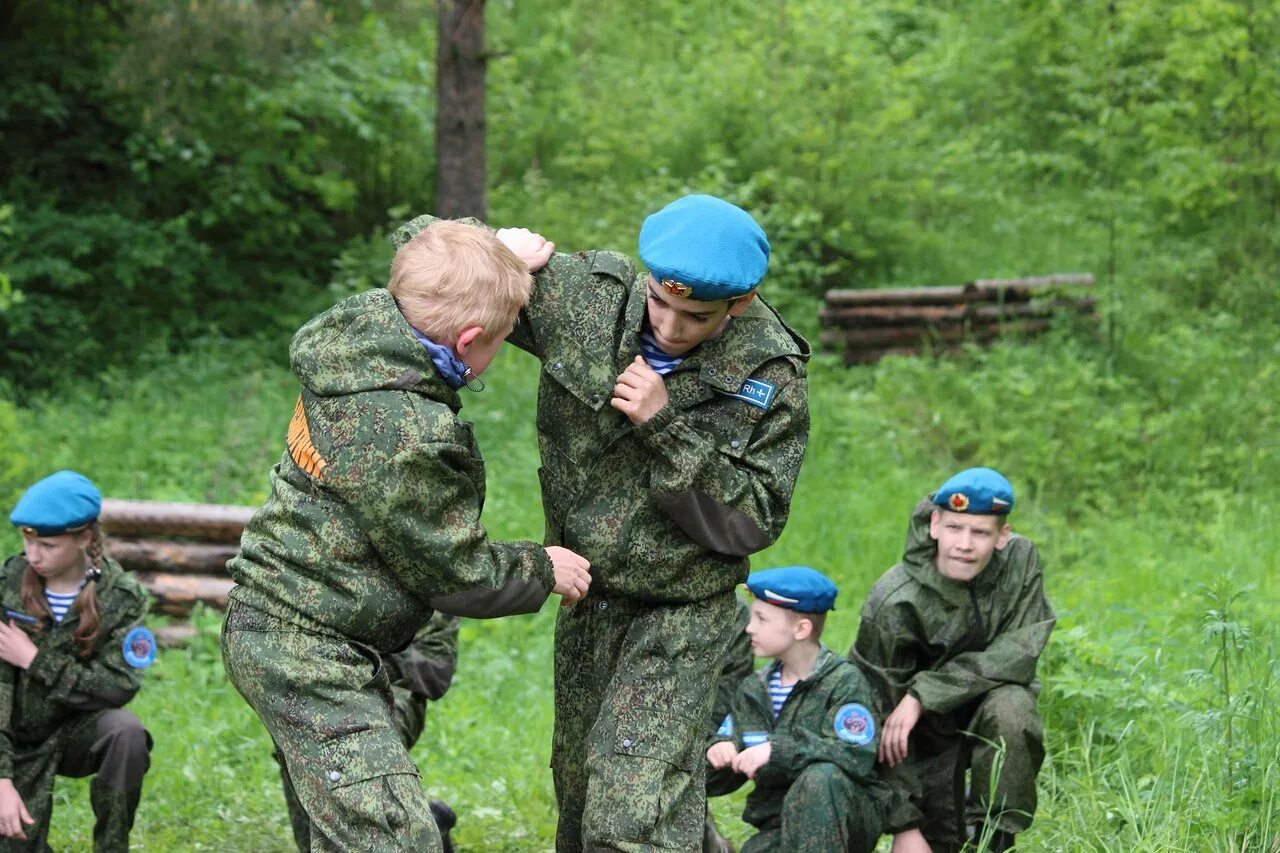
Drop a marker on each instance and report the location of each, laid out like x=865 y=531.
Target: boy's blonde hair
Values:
x=452 y=275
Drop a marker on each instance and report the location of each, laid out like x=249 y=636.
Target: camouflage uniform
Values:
x=819 y=792
x=737 y=665
x=419 y=674
x=64 y=715
x=968 y=652
x=372 y=523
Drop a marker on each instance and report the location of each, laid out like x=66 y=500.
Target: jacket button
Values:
x=604 y=605
x=335 y=776
x=594 y=399
x=626 y=743
x=557 y=365
x=735 y=444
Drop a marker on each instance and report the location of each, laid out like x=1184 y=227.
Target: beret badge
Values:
x=959 y=502
x=676 y=288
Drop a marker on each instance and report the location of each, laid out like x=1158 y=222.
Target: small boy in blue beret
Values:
x=72 y=651
x=951 y=636
x=803 y=727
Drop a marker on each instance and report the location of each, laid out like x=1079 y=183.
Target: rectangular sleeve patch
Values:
x=757 y=393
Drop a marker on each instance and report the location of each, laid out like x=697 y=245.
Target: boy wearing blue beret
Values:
x=803 y=727
x=952 y=635
x=72 y=651
x=672 y=421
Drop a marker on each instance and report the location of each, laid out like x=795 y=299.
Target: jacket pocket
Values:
x=363 y=755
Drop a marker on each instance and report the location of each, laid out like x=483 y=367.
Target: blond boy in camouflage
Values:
x=373 y=522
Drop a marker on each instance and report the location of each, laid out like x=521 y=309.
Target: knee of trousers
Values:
x=125 y=747
x=819 y=780
x=1009 y=712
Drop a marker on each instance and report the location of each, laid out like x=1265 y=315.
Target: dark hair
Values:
x=86 y=605
x=817 y=620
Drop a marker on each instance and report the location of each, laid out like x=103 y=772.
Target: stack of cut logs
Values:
x=178 y=551
x=870 y=324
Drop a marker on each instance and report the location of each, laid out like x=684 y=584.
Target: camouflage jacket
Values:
x=948 y=642
x=738 y=664
x=373 y=520
x=60 y=684
x=814 y=725
x=668 y=511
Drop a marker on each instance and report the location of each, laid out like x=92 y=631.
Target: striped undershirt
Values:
x=778 y=692
x=661 y=363
x=60 y=603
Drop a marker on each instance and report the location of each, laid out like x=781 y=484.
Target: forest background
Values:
x=183 y=183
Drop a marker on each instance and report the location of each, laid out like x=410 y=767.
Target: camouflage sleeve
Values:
x=1009 y=659
x=885 y=652
x=733 y=501
x=426 y=668
x=105 y=679
x=738 y=664
x=561 y=290
x=745 y=717
x=424 y=519
x=848 y=737
x=7 y=675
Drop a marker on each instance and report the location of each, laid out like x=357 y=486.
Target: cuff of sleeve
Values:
x=782 y=756
x=544 y=569
x=654 y=430
x=6 y=765
x=46 y=667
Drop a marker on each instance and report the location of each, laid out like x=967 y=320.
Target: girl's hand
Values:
x=13 y=812
x=16 y=647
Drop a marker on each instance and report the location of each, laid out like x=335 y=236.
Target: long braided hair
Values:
x=86 y=605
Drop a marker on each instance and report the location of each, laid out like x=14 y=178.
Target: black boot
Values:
x=445 y=821
x=1001 y=841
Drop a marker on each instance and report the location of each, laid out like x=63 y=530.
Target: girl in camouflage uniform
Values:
x=67 y=669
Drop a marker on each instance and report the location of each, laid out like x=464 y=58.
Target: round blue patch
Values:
x=855 y=725
x=139 y=648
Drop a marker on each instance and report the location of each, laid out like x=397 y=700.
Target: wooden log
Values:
x=177 y=595
x=909 y=335
x=175 y=635
x=875 y=316
x=166 y=555
x=981 y=290
x=205 y=522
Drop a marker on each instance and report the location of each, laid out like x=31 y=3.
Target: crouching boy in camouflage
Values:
x=372 y=523
x=802 y=727
x=952 y=635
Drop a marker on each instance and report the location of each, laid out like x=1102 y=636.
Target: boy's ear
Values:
x=803 y=628
x=465 y=338
x=1002 y=538
x=740 y=304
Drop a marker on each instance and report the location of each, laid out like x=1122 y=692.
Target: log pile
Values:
x=178 y=551
x=872 y=323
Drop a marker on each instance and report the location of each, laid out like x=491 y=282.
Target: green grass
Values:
x=1137 y=759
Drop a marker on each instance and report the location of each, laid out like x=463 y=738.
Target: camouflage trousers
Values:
x=409 y=717
x=1003 y=747
x=823 y=811
x=328 y=707
x=110 y=745
x=634 y=687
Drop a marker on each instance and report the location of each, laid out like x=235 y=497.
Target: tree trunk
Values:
x=460 y=115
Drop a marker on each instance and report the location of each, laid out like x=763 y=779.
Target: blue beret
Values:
x=795 y=588
x=705 y=248
x=977 y=491
x=62 y=502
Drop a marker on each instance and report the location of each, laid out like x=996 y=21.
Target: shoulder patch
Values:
x=299 y=443
x=726 y=727
x=139 y=648
x=754 y=738
x=756 y=392
x=854 y=724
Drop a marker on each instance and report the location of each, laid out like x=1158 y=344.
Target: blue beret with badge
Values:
x=704 y=248
x=64 y=502
x=797 y=588
x=976 y=491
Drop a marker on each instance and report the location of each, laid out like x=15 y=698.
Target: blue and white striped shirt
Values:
x=60 y=603
x=655 y=357
x=778 y=692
